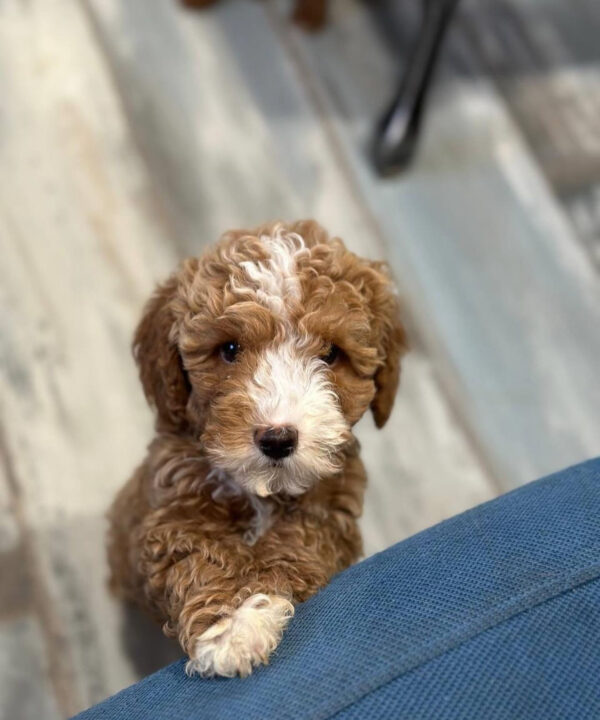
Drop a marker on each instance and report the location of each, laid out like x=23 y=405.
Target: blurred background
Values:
x=133 y=132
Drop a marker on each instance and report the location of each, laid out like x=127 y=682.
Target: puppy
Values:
x=258 y=358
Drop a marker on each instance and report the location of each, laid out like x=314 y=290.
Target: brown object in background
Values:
x=197 y=3
x=309 y=14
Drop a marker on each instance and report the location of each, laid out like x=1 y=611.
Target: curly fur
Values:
x=210 y=536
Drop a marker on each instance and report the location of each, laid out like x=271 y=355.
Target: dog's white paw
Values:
x=243 y=640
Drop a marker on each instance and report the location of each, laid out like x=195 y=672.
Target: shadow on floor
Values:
x=144 y=643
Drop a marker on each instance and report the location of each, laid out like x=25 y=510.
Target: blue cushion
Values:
x=492 y=614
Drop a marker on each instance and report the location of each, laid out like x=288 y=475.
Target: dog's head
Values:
x=268 y=348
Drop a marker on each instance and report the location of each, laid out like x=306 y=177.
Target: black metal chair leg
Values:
x=397 y=132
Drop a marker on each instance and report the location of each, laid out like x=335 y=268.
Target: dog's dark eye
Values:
x=229 y=351
x=332 y=355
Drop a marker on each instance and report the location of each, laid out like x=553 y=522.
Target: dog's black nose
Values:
x=277 y=442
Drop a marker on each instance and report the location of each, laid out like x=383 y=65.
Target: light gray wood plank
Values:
x=222 y=120
x=584 y=212
x=9 y=528
x=29 y=674
x=24 y=690
x=81 y=248
x=505 y=297
x=544 y=59
x=421 y=466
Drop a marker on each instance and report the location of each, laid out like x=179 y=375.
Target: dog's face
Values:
x=268 y=349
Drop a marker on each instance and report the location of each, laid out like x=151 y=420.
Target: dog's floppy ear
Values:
x=163 y=377
x=392 y=345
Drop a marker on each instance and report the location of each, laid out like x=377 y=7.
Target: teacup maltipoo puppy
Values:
x=259 y=357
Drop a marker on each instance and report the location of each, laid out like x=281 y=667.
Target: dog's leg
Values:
x=243 y=638
x=292 y=560
x=225 y=618
x=248 y=630
x=227 y=625
x=229 y=602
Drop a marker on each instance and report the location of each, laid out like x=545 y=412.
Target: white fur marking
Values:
x=262 y=520
x=288 y=389
x=228 y=488
x=238 y=643
x=275 y=283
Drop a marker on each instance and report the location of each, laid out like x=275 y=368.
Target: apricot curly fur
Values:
x=190 y=539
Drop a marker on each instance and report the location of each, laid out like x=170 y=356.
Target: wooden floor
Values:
x=133 y=133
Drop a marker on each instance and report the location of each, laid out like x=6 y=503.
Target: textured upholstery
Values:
x=494 y=613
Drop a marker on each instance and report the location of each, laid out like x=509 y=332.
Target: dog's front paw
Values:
x=246 y=638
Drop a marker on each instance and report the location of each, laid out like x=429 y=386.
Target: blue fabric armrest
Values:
x=492 y=614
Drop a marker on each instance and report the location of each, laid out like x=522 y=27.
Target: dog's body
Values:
x=259 y=358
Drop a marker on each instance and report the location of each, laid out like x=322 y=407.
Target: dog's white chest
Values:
x=262 y=510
